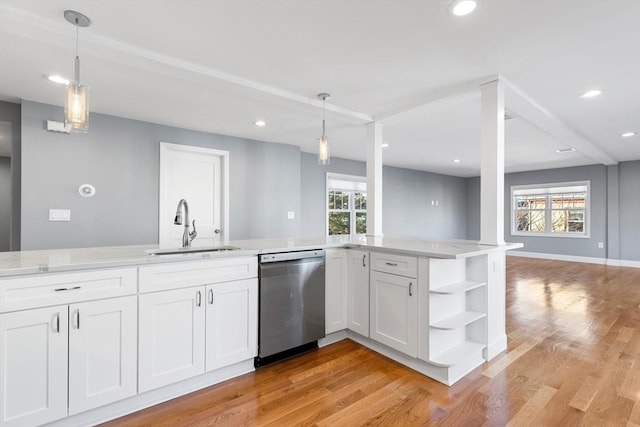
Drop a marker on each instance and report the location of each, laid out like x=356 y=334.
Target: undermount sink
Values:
x=177 y=251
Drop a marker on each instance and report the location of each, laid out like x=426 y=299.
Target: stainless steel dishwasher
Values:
x=291 y=303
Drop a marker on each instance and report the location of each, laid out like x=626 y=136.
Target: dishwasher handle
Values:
x=290 y=256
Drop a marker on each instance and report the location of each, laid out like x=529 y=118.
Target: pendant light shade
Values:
x=76 y=105
x=324 y=155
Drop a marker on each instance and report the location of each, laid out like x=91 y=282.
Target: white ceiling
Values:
x=217 y=66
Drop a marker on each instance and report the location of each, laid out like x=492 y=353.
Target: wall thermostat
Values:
x=87 y=190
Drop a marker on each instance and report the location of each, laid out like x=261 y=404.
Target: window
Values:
x=346 y=204
x=551 y=209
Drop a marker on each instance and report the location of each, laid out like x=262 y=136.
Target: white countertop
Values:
x=56 y=260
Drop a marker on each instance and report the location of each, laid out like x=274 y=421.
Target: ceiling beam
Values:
x=526 y=108
x=48 y=31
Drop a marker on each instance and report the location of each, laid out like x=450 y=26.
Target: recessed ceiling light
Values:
x=628 y=134
x=58 y=79
x=463 y=7
x=456 y=160
x=565 y=150
x=385 y=145
x=591 y=93
x=260 y=123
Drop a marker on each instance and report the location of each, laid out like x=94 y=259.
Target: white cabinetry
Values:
x=394 y=302
x=358 y=291
x=189 y=330
x=33 y=366
x=457 y=311
x=171 y=343
x=61 y=360
x=336 y=289
x=102 y=352
x=232 y=323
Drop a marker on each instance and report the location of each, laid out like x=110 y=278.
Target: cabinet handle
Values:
x=210 y=296
x=392 y=264
x=410 y=285
x=199 y=299
x=77 y=319
x=75 y=288
x=364 y=257
x=57 y=323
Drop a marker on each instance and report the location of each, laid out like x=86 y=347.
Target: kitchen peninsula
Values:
x=90 y=321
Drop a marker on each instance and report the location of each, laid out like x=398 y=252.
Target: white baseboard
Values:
x=573 y=258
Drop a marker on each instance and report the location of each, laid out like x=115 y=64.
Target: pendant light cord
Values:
x=323 y=118
x=77 y=61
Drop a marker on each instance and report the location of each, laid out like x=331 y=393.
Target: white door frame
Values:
x=165 y=148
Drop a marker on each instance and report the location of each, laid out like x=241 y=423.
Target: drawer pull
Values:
x=410 y=285
x=210 y=296
x=392 y=264
x=75 y=288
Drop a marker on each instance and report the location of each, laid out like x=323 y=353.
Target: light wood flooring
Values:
x=573 y=359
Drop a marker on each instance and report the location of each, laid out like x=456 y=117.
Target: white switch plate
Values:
x=291 y=215
x=600 y=245
x=59 y=215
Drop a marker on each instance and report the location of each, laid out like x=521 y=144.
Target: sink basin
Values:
x=178 y=251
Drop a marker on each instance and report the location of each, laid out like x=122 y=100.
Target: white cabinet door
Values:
x=232 y=323
x=394 y=311
x=336 y=283
x=33 y=366
x=102 y=352
x=171 y=342
x=358 y=292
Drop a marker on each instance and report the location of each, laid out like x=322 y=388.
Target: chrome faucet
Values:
x=187 y=236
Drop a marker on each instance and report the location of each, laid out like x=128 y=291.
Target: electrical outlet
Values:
x=291 y=215
x=600 y=245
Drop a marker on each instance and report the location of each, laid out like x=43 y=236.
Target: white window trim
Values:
x=587 y=210
x=342 y=177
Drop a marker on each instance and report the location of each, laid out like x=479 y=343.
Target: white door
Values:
x=232 y=322
x=171 y=343
x=103 y=352
x=358 y=292
x=336 y=281
x=33 y=366
x=201 y=177
x=394 y=312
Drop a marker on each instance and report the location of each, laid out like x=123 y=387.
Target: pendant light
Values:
x=324 y=156
x=76 y=105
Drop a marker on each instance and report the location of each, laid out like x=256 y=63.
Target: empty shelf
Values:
x=457 y=354
x=455 y=288
x=458 y=321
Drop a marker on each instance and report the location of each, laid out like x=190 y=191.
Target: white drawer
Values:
x=196 y=273
x=65 y=288
x=401 y=265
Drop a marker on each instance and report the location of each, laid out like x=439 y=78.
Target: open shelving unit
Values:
x=457 y=311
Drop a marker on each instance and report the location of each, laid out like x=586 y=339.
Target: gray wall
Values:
x=5 y=204
x=10 y=112
x=629 y=210
x=406 y=200
x=120 y=158
x=615 y=211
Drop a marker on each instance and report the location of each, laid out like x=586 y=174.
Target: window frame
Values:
x=358 y=180
x=546 y=190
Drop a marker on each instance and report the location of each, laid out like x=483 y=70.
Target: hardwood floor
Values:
x=573 y=360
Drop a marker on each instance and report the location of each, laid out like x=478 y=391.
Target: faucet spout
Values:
x=187 y=237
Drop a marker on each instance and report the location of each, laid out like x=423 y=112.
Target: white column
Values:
x=374 y=179
x=492 y=164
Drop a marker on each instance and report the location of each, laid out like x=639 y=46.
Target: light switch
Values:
x=59 y=215
x=291 y=215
